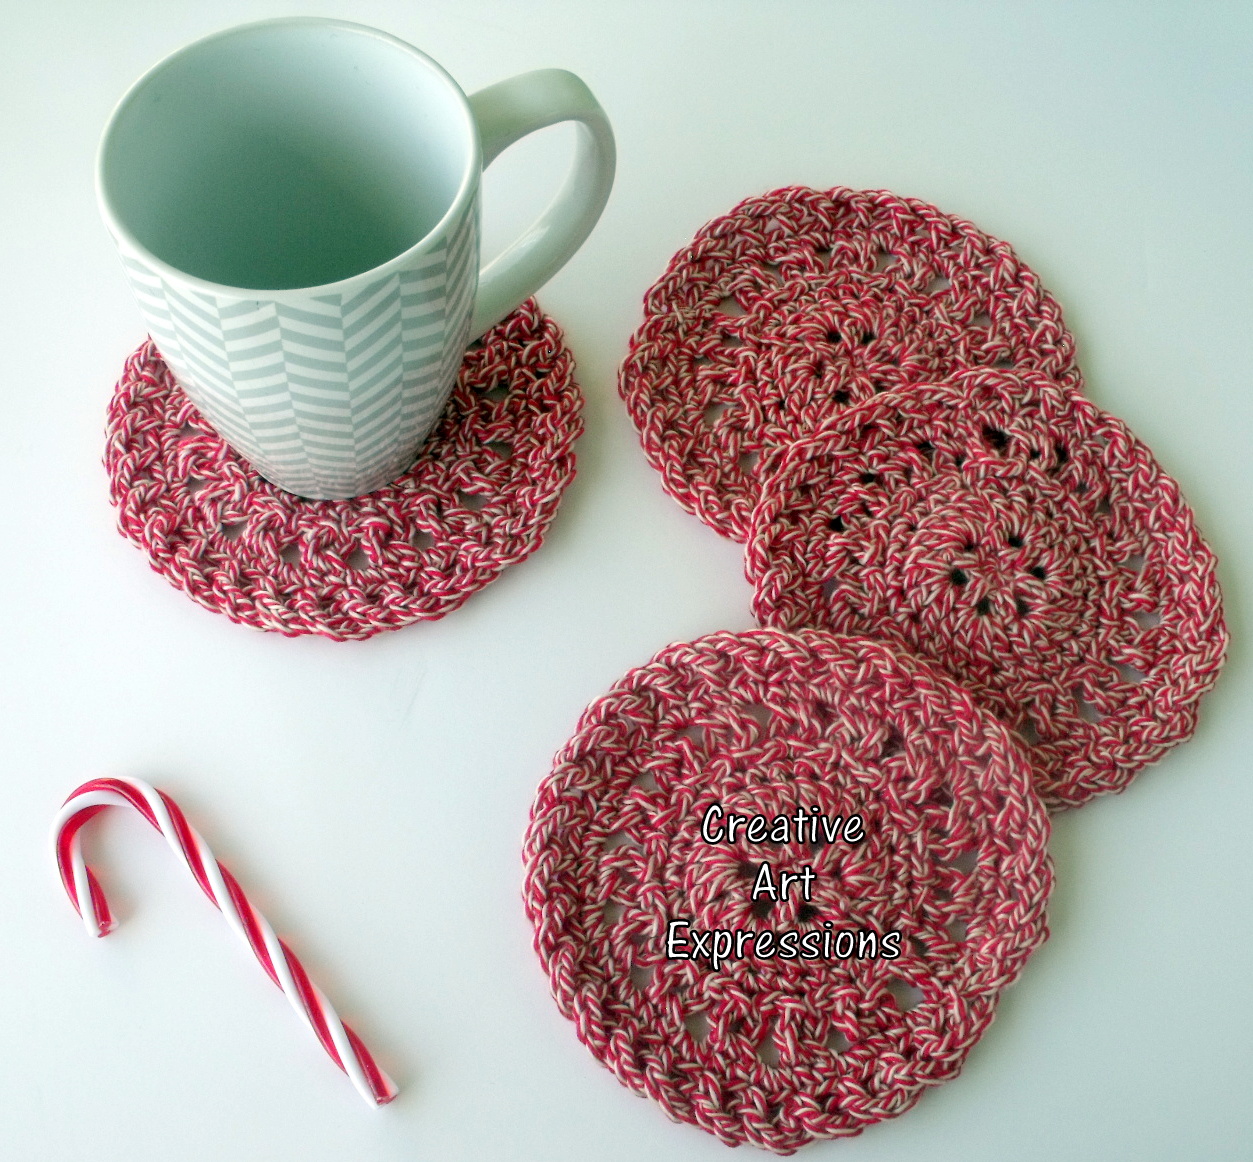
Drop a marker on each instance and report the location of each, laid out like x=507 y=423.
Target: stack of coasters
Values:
x=983 y=599
x=779 y=879
x=808 y=339
x=479 y=498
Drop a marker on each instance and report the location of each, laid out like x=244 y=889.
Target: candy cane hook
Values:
x=339 y=1041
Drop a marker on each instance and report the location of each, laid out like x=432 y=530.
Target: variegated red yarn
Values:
x=780 y=1052
x=1014 y=533
x=801 y=302
x=479 y=498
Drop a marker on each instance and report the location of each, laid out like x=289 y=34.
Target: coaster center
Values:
x=1001 y=559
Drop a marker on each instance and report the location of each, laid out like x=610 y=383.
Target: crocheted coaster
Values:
x=802 y=301
x=1011 y=531
x=812 y=1012
x=480 y=497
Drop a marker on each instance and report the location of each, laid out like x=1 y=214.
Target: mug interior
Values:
x=286 y=155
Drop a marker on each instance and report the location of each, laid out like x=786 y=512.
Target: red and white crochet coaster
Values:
x=799 y=1032
x=479 y=498
x=802 y=301
x=1011 y=531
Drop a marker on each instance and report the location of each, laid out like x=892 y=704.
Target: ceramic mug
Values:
x=296 y=204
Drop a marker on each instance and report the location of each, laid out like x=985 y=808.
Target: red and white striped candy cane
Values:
x=343 y=1045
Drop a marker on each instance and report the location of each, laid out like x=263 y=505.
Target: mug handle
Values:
x=506 y=112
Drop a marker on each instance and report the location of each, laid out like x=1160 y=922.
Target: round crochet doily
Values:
x=1011 y=531
x=774 y=1046
x=479 y=497
x=802 y=301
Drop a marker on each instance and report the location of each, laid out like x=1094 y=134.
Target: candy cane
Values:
x=343 y=1045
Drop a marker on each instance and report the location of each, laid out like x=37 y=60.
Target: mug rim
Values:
x=465 y=190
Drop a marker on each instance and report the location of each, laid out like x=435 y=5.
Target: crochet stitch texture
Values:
x=1011 y=531
x=774 y=1051
x=801 y=302
x=479 y=498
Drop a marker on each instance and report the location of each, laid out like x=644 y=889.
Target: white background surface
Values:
x=372 y=796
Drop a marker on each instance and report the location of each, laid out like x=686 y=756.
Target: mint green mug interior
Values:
x=275 y=157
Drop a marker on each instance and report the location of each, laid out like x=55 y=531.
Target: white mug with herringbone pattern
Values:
x=296 y=204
